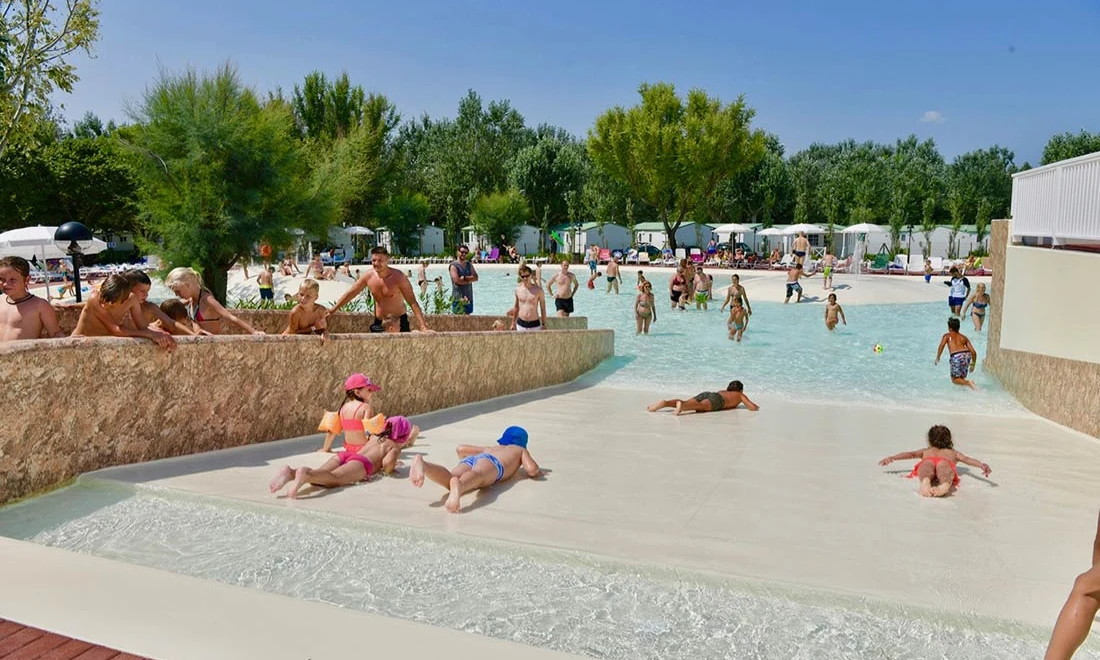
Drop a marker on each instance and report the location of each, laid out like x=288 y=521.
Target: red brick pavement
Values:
x=19 y=642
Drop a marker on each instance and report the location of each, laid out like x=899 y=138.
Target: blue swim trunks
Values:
x=472 y=460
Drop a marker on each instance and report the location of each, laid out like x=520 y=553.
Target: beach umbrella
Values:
x=770 y=231
x=358 y=231
x=732 y=228
x=30 y=242
x=863 y=228
x=804 y=227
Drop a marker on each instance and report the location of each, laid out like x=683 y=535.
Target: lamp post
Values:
x=73 y=238
x=909 y=249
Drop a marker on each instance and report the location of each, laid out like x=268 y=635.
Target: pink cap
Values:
x=355 y=381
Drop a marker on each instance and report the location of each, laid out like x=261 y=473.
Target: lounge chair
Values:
x=643 y=258
x=784 y=263
x=937 y=265
x=605 y=256
x=880 y=264
x=916 y=264
x=493 y=256
x=697 y=256
x=631 y=257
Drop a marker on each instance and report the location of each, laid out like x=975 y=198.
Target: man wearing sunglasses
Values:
x=463 y=277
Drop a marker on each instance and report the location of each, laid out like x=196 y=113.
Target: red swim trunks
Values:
x=935 y=462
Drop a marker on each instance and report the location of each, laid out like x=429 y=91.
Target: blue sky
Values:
x=969 y=73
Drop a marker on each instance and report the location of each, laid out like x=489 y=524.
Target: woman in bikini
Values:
x=979 y=302
x=645 y=308
x=677 y=287
x=203 y=308
x=936 y=466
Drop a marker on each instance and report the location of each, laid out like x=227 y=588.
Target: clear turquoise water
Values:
x=786 y=351
x=556 y=599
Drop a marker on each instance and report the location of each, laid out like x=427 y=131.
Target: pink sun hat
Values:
x=355 y=381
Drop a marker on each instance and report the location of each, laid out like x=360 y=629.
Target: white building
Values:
x=966 y=240
x=609 y=236
x=431 y=241
x=690 y=234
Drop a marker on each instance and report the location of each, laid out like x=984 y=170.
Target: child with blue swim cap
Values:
x=480 y=466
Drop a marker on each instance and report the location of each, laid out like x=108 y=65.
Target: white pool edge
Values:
x=166 y=616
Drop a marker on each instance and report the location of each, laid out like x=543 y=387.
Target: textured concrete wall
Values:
x=74 y=405
x=1062 y=390
x=274 y=321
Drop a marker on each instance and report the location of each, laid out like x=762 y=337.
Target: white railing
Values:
x=1060 y=201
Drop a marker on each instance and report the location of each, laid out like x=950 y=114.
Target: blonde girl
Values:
x=202 y=307
x=978 y=304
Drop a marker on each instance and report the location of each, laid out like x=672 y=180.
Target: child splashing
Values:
x=936 y=468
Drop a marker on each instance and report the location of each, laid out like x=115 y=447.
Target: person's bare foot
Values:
x=299 y=479
x=281 y=479
x=971 y=385
x=679 y=407
x=654 y=408
x=452 y=503
x=926 y=487
x=416 y=473
x=738 y=338
x=941 y=489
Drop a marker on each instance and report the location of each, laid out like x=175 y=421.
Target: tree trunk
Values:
x=217 y=280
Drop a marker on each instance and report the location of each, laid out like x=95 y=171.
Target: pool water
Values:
x=786 y=350
x=557 y=599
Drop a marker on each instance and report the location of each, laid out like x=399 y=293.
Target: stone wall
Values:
x=74 y=405
x=274 y=321
x=1062 y=390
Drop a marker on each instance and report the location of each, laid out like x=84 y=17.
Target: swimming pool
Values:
x=557 y=599
x=786 y=350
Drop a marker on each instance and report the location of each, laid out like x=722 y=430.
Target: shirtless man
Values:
x=701 y=285
x=828 y=263
x=567 y=286
x=391 y=291
x=737 y=292
x=307 y=317
x=593 y=258
x=794 y=274
x=319 y=270
x=613 y=275
x=23 y=315
x=480 y=466
x=103 y=314
x=963 y=356
x=729 y=399
x=530 y=307
x=290 y=266
x=800 y=247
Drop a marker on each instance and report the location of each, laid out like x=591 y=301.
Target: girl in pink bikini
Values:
x=369 y=444
x=936 y=467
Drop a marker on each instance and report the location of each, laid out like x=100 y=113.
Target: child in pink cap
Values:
x=349 y=418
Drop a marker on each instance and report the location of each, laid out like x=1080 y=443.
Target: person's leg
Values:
x=662 y=404
x=616 y=286
x=691 y=405
x=281 y=479
x=344 y=475
x=638 y=323
x=437 y=473
x=413 y=435
x=484 y=473
x=944 y=476
x=1073 y=624
x=925 y=472
x=645 y=324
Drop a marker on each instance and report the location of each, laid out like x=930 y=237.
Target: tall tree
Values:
x=672 y=155
x=1070 y=145
x=36 y=38
x=500 y=214
x=404 y=215
x=544 y=172
x=917 y=172
x=326 y=110
x=220 y=173
x=983 y=174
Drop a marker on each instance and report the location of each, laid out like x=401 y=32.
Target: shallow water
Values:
x=562 y=600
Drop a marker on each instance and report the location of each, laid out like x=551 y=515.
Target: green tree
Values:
x=220 y=173
x=362 y=163
x=326 y=110
x=917 y=172
x=36 y=38
x=405 y=215
x=760 y=193
x=1070 y=145
x=544 y=172
x=983 y=174
x=928 y=223
x=982 y=219
x=500 y=214
x=672 y=155
x=955 y=210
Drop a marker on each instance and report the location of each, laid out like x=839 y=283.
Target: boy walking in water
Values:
x=738 y=321
x=480 y=467
x=793 y=275
x=833 y=311
x=961 y=351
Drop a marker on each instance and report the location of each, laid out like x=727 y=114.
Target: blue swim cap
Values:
x=514 y=435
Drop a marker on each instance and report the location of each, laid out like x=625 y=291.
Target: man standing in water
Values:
x=613 y=275
x=567 y=286
x=391 y=291
x=463 y=277
x=529 y=312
